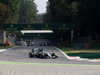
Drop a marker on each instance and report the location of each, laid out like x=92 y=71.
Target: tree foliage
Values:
x=5 y=13
x=13 y=6
x=9 y=12
x=40 y=18
x=84 y=14
x=89 y=13
x=63 y=10
x=47 y=15
x=28 y=12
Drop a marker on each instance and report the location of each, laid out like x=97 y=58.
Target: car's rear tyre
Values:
x=31 y=55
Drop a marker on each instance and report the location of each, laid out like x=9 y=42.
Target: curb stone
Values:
x=77 y=58
x=1 y=50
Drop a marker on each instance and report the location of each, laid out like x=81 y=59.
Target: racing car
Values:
x=40 y=53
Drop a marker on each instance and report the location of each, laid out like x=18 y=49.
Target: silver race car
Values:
x=40 y=53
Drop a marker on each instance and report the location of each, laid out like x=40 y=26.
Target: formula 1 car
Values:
x=40 y=53
x=43 y=45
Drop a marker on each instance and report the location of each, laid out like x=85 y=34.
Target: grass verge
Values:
x=84 y=53
x=6 y=47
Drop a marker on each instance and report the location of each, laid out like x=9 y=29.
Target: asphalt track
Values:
x=15 y=61
x=20 y=54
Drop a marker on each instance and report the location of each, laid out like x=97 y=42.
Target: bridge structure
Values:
x=37 y=26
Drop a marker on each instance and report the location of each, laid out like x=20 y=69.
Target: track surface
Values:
x=20 y=54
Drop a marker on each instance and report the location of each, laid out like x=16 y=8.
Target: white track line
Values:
x=62 y=52
x=1 y=50
x=76 y=57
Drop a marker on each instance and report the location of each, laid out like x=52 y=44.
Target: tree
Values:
x=40 y=18
x=47 y=15
x=5 y=14
x=63 y=11
x=13 y=5
x=88 y=17
x=84 y=14
x=28 y=12
x=9 y=10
